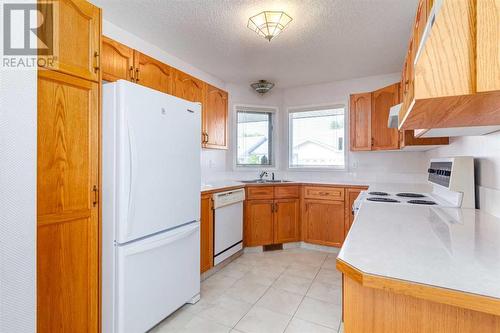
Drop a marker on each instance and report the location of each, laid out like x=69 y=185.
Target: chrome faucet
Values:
x=262 y=175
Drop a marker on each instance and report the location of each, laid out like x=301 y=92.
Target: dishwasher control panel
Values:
x=228 y=198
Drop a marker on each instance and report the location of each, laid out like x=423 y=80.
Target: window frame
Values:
x=273 y=111
x=297 y=109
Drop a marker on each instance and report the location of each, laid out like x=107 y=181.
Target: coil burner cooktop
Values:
x=381 y=199
x=410 y=195
x=379 y=193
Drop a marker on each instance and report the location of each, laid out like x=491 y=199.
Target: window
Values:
x=254 y=138
x=317 y=138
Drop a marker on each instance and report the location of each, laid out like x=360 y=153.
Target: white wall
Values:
x=18 y=119
x=486 y=151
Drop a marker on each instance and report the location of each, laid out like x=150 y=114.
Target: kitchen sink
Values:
x=265 y=181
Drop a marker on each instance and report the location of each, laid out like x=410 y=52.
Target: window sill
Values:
x=318 y=169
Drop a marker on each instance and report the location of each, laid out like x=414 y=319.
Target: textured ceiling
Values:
x=328 y=40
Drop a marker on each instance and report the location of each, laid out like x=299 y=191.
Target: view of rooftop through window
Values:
x=254 y=138
x=317 y=138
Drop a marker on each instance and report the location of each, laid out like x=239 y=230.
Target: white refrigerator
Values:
x=151 y=206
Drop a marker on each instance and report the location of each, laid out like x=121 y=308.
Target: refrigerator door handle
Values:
x=176 y=234
x=132 y=165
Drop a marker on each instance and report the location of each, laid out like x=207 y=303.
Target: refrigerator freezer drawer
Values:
x=155 y=276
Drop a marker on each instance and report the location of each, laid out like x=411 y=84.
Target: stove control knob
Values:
x=447 y=173
x=431 y=170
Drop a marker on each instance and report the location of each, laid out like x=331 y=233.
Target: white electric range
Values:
x=452 y=181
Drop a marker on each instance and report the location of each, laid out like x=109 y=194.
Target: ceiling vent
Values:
x=262 y=86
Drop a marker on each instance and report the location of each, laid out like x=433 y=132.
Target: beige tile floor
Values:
x=292 y=291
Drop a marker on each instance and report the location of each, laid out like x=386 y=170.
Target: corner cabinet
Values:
x=121 y=62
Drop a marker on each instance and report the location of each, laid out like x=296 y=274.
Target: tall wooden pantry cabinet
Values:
x=68 y=200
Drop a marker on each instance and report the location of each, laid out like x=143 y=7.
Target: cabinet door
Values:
x=117 y=61
x=258 y=222
x=286 y=220
x=187 y=87
x=77 y=41
x=324 y=222
x=360 y=121
x=351 y=195
x=67 y=206
x=207 y=233
x=152 y=73
x=215 y=118
x=384 y=138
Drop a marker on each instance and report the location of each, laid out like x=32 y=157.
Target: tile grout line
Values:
x=304 y=296
x=269 y=287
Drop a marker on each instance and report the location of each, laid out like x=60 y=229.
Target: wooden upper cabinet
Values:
x=215 y=113
x=77 y=38
x=459 y=85
x=259 y=222
x=384 y=138
x=152 y=73
x=488 y=45
x=67 y=204
x=360 y=121
x=286 y=220
x=187 y=87
x=206 y=233
x=324 y=222
x=117 y=61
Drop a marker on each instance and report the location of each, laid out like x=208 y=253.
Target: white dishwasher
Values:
x=228 y=224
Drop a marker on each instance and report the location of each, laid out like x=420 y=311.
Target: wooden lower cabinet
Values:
x=67 y=204
x=323 y=222
x=371 y=310
x=259 y=222
x=286 y=220
x=351 y=194
x=206 y=233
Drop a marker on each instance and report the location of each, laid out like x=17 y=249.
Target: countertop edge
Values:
x=233 y=186
x=431 y=293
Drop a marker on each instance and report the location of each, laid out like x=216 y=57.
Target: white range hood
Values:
x=393 y=121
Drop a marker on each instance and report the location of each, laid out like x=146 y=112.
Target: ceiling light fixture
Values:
x=262 y=86
x=269 y=24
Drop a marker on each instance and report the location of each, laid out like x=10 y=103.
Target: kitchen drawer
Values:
x=260 y=192
x=285 y=192
x=324 y=193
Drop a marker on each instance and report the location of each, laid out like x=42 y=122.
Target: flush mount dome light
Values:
x=262 y=86
x=269 y=24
